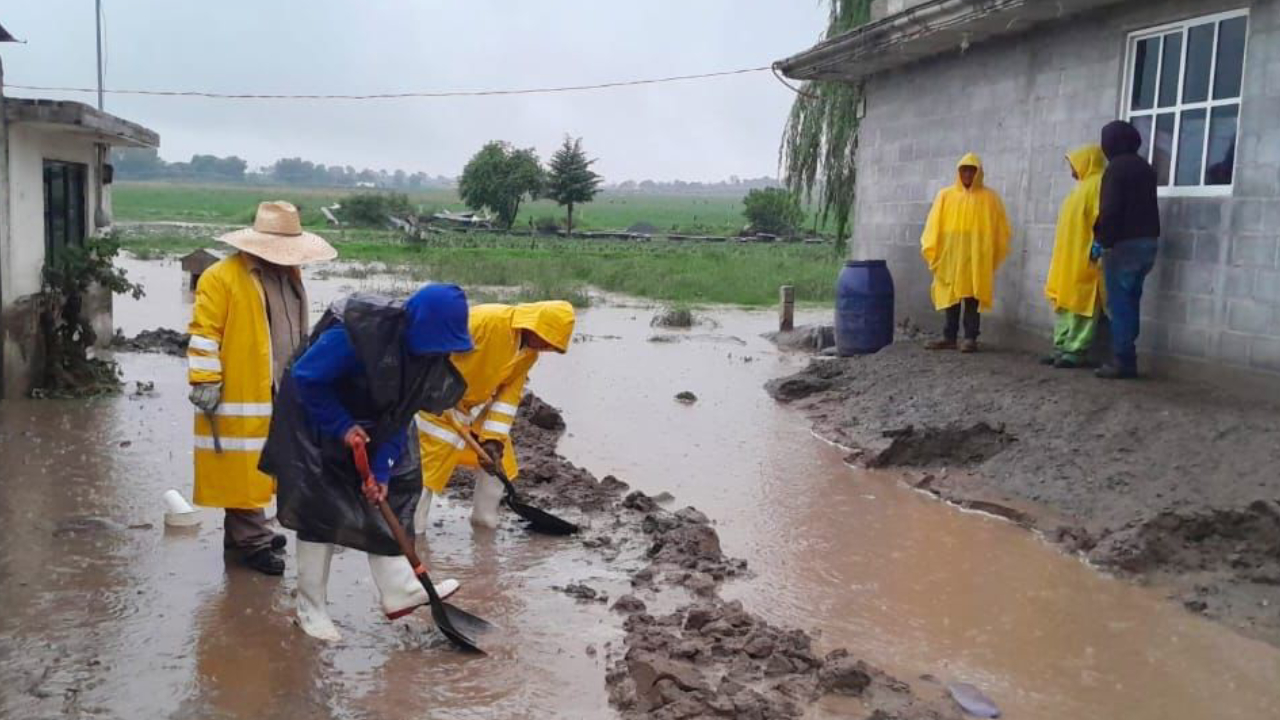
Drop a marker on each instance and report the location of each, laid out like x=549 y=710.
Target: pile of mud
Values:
x=160 y=340
x=709 y=658
x=1162 y=481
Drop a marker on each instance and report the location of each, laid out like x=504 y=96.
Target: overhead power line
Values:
x=398 y=95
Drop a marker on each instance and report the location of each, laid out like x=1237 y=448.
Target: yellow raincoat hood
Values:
x=965 y=240
x=1074 y=283
x=551 y=320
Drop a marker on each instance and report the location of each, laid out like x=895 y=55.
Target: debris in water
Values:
x=971 y=700
x=629 y=605
x=686 y=397
x=581 y=592
x=674 y=317
x=160 y=340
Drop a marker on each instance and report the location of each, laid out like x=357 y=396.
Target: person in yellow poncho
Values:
x=249 y=316
x=508 y=340
x=965 y=240
x=1074 y=285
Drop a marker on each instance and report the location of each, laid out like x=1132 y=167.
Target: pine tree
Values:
x=571 y=180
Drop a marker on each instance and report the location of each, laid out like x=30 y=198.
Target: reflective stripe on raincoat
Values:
x=495 y=371
x=230 y=344
x=1074 y=283
x=965 y=240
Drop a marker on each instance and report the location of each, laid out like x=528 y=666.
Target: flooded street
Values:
x=110 y=614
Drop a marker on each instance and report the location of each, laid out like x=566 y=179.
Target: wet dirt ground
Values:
x=107 y=617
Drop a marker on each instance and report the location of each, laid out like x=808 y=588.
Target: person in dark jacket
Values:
x=1126 y=237
x=370 y=366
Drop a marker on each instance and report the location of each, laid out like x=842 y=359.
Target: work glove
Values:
x=494 y=449
x=206 y=396
x=1095 y=252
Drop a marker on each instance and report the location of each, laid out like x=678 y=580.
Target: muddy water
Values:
x=107 y=620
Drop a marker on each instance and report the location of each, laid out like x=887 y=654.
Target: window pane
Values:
x=1190 y=147
x=1195 y=88
x=1162 y=158
x=75 y=205
x=55 y=207
x=1145 y=63
x=1143 y=124
x=1220 y=167
x=1230 y=69
x=1169 y=70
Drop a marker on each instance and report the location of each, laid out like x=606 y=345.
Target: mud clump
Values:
x=1214 y=540
x=806 y=338
x=685 y=397
x=674 y=317
x=929 y=447
x=160 y=340
x=583 y=593
x=715 y=659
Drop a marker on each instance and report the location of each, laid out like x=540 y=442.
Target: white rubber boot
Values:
x=424 y=509
x=399 y=589
x=484 y=501
x=313 y=591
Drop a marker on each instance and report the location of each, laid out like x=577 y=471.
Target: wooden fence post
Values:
x=787 y=313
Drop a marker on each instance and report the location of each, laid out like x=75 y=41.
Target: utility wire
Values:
x=400 y=95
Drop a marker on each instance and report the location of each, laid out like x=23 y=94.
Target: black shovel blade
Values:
x=459 y=626
x=541 y=520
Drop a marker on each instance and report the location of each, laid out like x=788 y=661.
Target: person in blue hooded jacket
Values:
x=371 y=364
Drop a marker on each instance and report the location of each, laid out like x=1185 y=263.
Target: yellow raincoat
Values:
x=495 y=371
x=1074 y=283
x=230 y=344
x=965 y=240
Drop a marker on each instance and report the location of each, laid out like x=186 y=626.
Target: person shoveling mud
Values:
x=508 y=339
x=371 y=364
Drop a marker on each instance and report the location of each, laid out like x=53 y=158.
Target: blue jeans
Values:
x=1124 y=270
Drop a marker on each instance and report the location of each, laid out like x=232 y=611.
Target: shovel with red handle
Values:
x=458 y=625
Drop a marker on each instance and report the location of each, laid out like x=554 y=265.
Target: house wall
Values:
x=1022 y=103
x=22 y=255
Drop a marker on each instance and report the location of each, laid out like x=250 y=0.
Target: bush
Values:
x=773 y=210
x=372 y=209
x=547 y=225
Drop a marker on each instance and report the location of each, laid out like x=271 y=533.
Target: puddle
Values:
x=148 y=622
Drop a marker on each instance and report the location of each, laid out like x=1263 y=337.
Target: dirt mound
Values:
x=1212 y=540
x=808 y=338
x=928 y=447
x=160 y=340
x=674 y=317
x=715 y=659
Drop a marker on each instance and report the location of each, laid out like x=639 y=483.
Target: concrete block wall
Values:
x=1022 y=103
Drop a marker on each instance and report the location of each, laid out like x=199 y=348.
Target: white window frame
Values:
x=1126 y=97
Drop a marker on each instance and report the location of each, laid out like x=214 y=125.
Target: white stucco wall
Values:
x=29 y=147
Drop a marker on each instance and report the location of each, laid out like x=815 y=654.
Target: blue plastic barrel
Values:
x=864 y=307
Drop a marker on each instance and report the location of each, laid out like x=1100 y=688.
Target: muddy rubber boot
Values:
x=424 y=510
x=943 y=344
x=968 y=346
x=399 y=589
x=313 y=591
x=484 y=502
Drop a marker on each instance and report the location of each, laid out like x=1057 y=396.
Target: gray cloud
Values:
x=706 y=129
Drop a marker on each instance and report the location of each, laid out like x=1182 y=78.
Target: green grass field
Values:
x=688 y=273
x=234 y=204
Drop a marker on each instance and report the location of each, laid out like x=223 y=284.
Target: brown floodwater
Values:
x=102 y=619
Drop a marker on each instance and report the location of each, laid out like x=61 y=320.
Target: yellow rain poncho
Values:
x=965 y=240
x=1074 y=283
x=495 y=371
x=230 y=343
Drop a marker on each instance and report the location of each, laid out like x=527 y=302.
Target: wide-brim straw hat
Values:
x=278 y=238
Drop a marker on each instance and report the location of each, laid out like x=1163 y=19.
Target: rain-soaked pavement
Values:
x=106 y=613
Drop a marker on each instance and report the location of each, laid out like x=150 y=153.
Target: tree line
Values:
x=146 y=164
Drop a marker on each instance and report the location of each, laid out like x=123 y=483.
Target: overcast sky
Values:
x=697 y=130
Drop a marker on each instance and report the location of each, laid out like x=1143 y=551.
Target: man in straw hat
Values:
x=250 y=315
